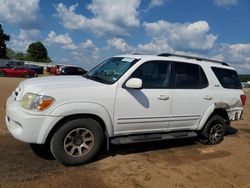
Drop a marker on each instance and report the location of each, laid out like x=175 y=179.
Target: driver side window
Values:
x=154 y=74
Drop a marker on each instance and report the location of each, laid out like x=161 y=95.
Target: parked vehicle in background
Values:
x=15 y=63
x=17 y=72
x=55 y=70
x=38 y=69
x=12 y=63
x=126 y=99
x=70 y=70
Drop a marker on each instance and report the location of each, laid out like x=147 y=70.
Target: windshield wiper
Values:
x=96 y=78
x=86 y=76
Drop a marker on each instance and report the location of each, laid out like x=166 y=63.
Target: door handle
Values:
x=163 y=97
x=208 y=98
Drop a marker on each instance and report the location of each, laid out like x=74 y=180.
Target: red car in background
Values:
x=17 y=72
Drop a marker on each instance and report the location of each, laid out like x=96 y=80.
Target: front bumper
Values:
x=23 y=126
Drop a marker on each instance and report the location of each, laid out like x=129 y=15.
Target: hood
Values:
x=43 y=84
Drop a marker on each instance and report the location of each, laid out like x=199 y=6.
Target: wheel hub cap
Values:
x=78 y=142
x=216 y=133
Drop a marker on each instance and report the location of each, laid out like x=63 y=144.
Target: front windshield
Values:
x=111 y=69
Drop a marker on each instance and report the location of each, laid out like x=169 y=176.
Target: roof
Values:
x=176 y=57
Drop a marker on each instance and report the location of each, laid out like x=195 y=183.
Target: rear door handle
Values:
x=163 y=97
x=208 y=97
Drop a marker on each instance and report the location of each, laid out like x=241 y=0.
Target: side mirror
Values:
x=134 y=83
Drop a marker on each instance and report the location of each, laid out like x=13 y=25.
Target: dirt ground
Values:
x=179 y=163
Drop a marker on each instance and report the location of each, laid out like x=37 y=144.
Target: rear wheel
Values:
x=77 y=141
x=26 y=75
x=2 y=74
x=214 y=131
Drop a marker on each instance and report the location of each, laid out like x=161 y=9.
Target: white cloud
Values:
x=83 y=53
x=62 y=39
x=119 y=44
x=67 y=43
x=21 y=42
x=111 y=16
x=88 y=44
x=24 y=13
x=120 y=12
x=187 y=36
x=155 y=47
x=225 y=3
x=156 y=3
x=69 y=18
x=236 y=52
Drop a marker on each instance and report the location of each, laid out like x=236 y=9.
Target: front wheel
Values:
x=77 y=141
x=2 y=74
x=214 y=131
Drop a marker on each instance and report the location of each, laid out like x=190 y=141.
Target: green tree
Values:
x=244 y=77
x=21 y=56
x=37 y=52
x=3 y=38
x=11 y=53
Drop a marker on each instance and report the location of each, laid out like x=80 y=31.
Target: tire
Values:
x=2 y=74
x=42 y=151
x=214 y=131
x=26 y=75
x=77 y=141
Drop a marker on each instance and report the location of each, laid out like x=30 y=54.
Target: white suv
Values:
x=126 y=99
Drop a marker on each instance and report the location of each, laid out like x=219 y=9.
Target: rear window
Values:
x=228 y=78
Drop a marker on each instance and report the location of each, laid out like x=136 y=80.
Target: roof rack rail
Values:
x=192 y=57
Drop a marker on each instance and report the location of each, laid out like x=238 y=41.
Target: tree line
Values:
x=244 y=77
x=35 y=52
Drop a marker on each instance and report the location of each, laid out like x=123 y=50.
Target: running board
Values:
x=152 y=137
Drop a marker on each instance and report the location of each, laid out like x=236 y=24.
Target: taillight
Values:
x=243 y=99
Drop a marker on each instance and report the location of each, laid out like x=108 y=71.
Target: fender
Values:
x=73 y=108
x=205 y=116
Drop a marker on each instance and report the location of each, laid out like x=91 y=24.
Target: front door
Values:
x=147 y=109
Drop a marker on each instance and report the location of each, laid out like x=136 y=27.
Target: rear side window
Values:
x=188 y=76
x=228 y=78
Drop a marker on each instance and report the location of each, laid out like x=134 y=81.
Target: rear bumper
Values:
x=235 y=114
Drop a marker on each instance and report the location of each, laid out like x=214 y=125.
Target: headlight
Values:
x=36 y=102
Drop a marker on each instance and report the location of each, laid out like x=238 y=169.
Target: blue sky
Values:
x=86 y=32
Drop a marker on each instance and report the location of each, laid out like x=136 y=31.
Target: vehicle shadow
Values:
x=145 y=147
x=154 y=145
x=127 y=149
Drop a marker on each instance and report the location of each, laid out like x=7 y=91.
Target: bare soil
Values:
x=179 y=163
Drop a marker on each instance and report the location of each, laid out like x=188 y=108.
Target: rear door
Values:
x=190 y=95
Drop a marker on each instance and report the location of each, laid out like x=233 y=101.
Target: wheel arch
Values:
x=76 y=116
x=72 y=110
x=210 y=112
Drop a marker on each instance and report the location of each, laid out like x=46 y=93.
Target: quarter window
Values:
x=228 y=78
